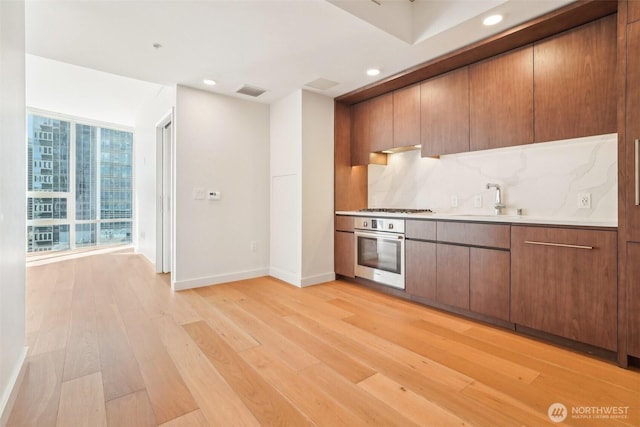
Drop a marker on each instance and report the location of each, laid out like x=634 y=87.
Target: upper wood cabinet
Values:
x=445 y=114
x=575 y=82
x=501 y=100
x=360 y=134
x=406 y=116
x=564 y=282
x=371 y=128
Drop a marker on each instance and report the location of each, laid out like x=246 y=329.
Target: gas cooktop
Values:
x=395 y=210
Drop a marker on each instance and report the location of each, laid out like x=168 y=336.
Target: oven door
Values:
x=380 y=257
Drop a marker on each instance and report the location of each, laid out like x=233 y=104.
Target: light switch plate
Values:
x=214 y=195
x=477 y=201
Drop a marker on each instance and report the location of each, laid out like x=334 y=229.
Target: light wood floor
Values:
x=110 y=344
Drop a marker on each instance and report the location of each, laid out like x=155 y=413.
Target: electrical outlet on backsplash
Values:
x=544 y=179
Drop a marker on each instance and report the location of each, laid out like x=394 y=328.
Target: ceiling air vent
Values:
x=251 y=91
x=322 y=84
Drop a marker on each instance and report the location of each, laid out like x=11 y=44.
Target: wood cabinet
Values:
x=575 y=82
x=344 y=246
x=360 y=134
x=630 y=178
x=460 y=274
x=371 y=128
x=489 y=282
x=633 y=299
x=501 y=100
x=564 y=282
x=452 y=275
x=474 y=277
x=406 y=117
x=633 y=13
x=420 y=258
x=420 y=269
x=445 y=114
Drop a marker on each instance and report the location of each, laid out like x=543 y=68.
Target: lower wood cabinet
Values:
x=344 y=253
x=564 y=282
x=420 y=269
x=452 y=272
x=633 y=299
x=489 y=282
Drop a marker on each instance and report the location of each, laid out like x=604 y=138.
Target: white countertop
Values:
x=509 y=219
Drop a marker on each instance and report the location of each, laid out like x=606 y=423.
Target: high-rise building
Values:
x=88 y=205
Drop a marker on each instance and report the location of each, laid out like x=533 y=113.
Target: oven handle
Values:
x=388 y=236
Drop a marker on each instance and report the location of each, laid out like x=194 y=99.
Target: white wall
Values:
x=317 y=188
x=12 y=198
x=544 y=179
x=82 y=92
x=286 y=203
x=148 y=115
x=302 y=189
x=222 y=144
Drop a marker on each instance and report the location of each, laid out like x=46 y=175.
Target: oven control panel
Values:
x=390 y=225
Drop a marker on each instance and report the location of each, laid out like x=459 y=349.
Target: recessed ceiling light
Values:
x=373 y=72
x=209 y=82
x=492 y=20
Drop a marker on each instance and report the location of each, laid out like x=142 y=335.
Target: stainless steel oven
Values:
x=379 y=250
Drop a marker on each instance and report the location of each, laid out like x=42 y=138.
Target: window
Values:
x=79 y=185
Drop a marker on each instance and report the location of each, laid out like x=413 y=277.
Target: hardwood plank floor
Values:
x=111 y=344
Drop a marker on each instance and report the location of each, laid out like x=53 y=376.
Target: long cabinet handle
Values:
x=561 y=245
x=637 y=174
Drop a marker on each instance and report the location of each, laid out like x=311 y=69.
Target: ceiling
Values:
x=276 y=45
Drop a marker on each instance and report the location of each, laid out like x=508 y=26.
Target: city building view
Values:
x=82 y=206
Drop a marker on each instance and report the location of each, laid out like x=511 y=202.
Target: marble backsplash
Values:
x=543 y=179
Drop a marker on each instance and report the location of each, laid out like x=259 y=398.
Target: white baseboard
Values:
x=301 y=282
x=11 y=392
x=181 y=285
x=317 y=279
x=285 y=276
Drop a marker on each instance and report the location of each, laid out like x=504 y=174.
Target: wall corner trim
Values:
x=11 y=392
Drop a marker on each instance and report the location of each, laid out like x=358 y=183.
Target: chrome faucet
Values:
x=498 y=205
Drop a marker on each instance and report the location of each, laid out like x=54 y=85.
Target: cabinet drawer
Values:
x=344 y=223
x=423 y=230
x=468 y=233
x=564 y=282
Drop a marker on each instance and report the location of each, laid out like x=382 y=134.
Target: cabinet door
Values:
x=633 y=13
x=575 y=82
x=561 y=286
x=633 y=298
x=501 y=100
x=489 y=282
x=632 y=143
x=452 y=283
x=406 y=117
x=445 y=114
x=344 y=256
x=420 y=269
x=380 y=118
x=360 y=134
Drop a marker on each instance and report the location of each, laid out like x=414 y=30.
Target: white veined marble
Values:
x=543 y=179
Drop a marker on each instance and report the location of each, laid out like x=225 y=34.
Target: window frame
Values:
x=70 y=196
